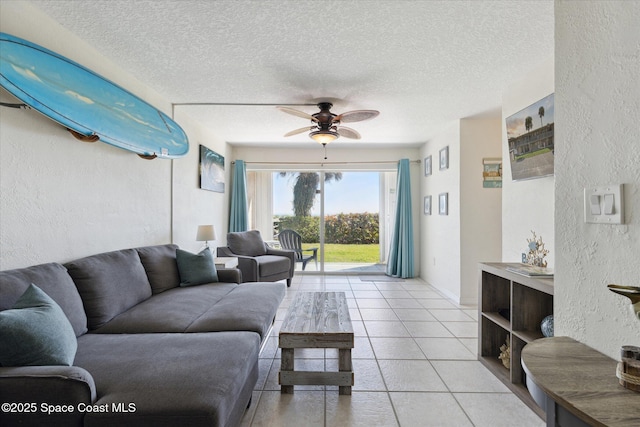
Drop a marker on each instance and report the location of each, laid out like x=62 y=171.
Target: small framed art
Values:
x=427 y=205
x=427 y=166
x=211 y=170
x=443 y=204
x=444 y=158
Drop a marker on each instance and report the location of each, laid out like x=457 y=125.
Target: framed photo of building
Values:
x=530 y=140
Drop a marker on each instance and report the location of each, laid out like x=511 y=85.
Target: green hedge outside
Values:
x=351 y=228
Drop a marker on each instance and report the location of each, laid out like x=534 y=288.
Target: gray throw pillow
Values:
x=196 y=269
x=36 y=332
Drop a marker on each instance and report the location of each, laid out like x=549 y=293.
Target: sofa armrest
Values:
x=230 y=275
x=286 y=253
x=40 y=386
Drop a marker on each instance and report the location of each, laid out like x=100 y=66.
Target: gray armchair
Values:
x=257 y=261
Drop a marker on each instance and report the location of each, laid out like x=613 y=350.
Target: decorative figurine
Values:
x=505 y=353
x=537 y=252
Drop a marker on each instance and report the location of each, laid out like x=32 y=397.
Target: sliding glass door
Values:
x=338 y=221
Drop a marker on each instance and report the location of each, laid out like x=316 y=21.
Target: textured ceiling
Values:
x=420 y=63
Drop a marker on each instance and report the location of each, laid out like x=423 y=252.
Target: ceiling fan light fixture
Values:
x=324 y=136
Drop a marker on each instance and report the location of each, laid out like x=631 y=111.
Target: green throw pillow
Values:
x=196 y=269
x=36 y=332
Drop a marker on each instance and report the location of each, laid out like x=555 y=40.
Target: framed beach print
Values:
x=443 y=204
x=427 y=205
x=427 y=166
x=211 y=170
x=444 y=158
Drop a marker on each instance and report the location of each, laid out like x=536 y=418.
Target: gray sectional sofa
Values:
x=149 y=352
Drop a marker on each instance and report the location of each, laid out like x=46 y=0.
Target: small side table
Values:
x=223 y=263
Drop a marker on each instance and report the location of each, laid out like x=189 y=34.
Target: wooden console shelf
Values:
x=578 y=385
x=511 y=305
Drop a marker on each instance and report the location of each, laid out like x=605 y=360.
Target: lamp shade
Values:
x=324 y=136
x=205 y=233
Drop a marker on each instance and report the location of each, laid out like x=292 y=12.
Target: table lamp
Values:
x=206 y=233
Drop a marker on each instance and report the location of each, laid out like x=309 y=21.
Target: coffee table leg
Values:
x=286 y=365
x=344 y=365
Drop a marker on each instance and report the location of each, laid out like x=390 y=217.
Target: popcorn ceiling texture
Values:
x=421 y=63
x=597 y=143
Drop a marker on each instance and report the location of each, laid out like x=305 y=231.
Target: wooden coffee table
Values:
x=317 y=320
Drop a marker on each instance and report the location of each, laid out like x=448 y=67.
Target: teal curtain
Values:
x=239 y=215
x=400 y=262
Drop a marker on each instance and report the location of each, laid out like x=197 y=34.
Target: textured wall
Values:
x=597 y=104
x=62 y=198
x=527 y=205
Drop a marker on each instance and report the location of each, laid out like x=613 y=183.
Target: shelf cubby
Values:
x=513 y=306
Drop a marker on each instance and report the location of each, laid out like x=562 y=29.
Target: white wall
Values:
x=193 y=206
x=440 y=236
x=480 y=208
x=61 y=199
x=597 y=143
x=452 y=245
x=527 y=205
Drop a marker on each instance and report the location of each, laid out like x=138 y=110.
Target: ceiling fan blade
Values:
x=297 y=131
x=357 y=116
x=348 y=132
x=298 y=113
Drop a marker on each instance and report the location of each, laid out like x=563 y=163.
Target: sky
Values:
x=515 y=123
x=356 y=192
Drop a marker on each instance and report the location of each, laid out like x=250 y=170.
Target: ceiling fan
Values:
x=326 y=126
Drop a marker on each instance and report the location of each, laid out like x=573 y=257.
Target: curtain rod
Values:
x=238 y=104
x=327 y=163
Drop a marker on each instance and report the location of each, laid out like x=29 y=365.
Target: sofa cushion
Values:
x=247 y=243
x=54 y=280
x=179 y=308
x=205 y=308
x=36 y=332
x=248 y=307
x=173 y=379
x=109 y=284
x=269 y=265
x=160 y=264
x=196 y=269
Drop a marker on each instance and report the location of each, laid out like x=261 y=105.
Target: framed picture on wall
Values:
x=427 y=166
x=444 y=158
x=443 y=204
x=530 y=139
x=211 y=170
x=427 y=205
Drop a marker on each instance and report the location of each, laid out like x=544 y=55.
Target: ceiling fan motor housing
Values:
x=324 y=116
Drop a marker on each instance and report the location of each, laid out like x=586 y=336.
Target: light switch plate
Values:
x=610 y=204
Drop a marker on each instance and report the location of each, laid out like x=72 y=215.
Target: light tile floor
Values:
x=414 y=362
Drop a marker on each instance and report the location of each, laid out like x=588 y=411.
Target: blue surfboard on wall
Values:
x=86 y=103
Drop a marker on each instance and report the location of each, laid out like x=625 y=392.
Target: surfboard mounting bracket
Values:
x=82 y=137
x=22 y=106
